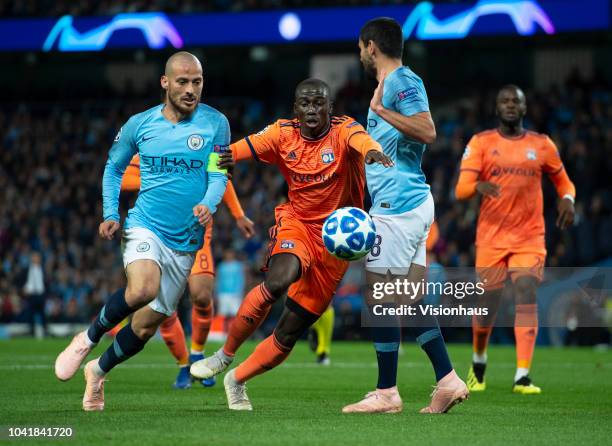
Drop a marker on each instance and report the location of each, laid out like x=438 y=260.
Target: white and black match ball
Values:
x=349 y=233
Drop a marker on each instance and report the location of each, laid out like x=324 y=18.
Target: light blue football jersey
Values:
x=400 y=188
x=175 y=172
x=230 y=277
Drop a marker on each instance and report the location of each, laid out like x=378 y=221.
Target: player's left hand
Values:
x=246 y=226
x=376 y=102
x=566 y=213
x=226 y=161
x=202 y=213
x=376 y=156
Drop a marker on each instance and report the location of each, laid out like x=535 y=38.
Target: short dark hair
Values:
x=313 y=82
x=386 y=33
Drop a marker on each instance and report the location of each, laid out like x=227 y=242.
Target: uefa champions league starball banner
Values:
x=420 y=21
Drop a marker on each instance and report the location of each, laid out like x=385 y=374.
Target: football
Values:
x=349 y=233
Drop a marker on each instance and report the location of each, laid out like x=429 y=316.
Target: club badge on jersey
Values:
x=327 y=155
x=195 y=142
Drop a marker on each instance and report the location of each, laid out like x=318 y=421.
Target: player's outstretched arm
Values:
x=244 y=223
x=376 y=156
x=362 y=142
x=419 y=126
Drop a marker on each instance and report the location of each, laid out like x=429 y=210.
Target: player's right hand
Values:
x=107 y=229
x=202 y=213
x=376 y=156
x=246 y=226
x=226 y=161
x=488 y=189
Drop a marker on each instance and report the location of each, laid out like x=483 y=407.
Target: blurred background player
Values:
x=35 y=291
x=320 y=336
x=230 y=286
x=322 y=159
x=181 y=188
x=403 y=212
x=201 y=283
x=505 y=166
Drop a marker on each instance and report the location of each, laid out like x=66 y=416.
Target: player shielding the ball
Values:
x=322 y=159
x=403 y=212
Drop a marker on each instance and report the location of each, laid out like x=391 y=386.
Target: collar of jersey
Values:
x=161 y=109
x=512 y=138
x=320 y=137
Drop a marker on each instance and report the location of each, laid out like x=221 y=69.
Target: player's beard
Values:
x=511 y=123
x=370 y=68
x=175 y=101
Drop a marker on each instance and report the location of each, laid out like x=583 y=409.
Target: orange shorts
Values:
x=204 y=262
x=493 y=264
x=321 y=272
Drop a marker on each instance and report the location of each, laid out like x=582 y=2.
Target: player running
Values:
x=201 y=282
x=403 y=212
x=181 y=188
x=505 y=165
x=322 y=159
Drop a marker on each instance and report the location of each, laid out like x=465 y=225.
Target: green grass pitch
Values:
x=300 y=402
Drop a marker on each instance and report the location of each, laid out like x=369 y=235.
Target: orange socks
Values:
x=253 y=310
x=480 y=341
x=172 y=332
x=525 y=332
x=201 y=318
x=268 y=354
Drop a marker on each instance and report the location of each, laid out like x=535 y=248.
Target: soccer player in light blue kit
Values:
x=403 y=211
x=179 y=144
x=230 y=285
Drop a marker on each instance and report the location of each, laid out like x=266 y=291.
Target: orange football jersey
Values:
x=131 y=176
x=515 y=218
x=323 y=174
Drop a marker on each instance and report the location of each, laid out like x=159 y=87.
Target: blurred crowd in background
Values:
x=53 y=157
x=50 y=8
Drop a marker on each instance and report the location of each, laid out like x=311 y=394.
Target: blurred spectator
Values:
x=34 y=290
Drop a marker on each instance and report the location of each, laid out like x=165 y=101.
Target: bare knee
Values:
x=144 y=332
x=284 y=270
x=142 y=294
x=288 y=336
x=292 y=325
x=277 y=286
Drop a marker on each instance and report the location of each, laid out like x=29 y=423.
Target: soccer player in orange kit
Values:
x=505 y=166
x=201 y=283
x=322 y=159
